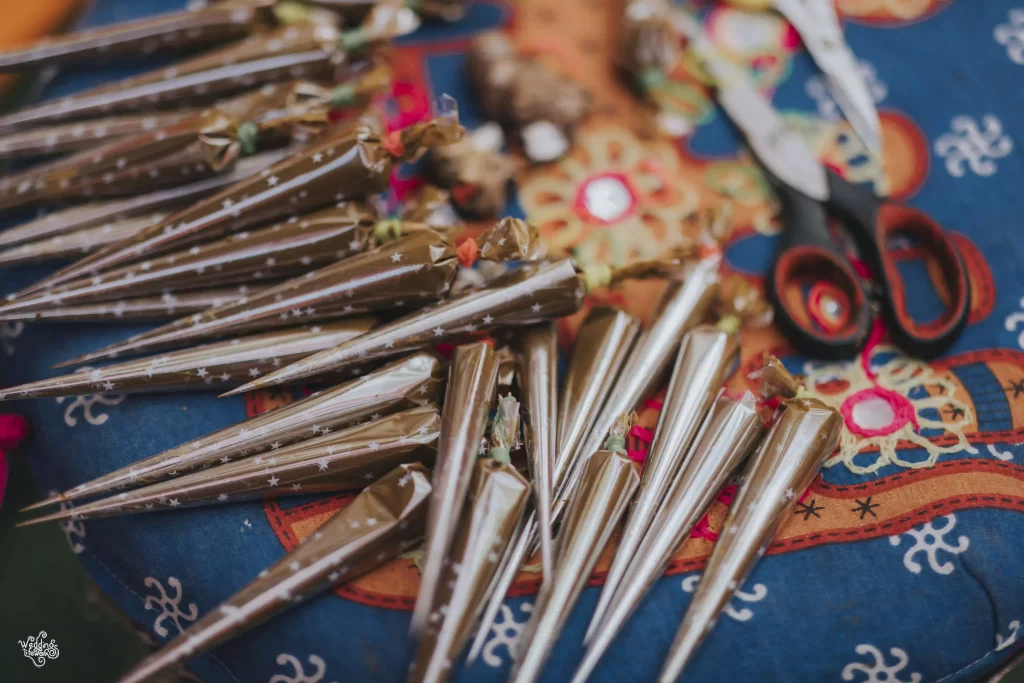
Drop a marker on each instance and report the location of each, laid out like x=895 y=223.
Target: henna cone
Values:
x=142 y=307
x=210 y=367
x=530 y=293
x=189 y=29
x=403 y=384
x=74 y=137
x=538 y=348
x=281 y=250
x=607 y=483
x=98 y=214
x=381 y=522
x=705 y=359
x=603 y=343
x=790 y=456
x=352 y=164
x=71 y=245
x=730 y=432
x=340 y=461
x=312 y=48
x=472 y=376
x=207 y=143
x=498 y=497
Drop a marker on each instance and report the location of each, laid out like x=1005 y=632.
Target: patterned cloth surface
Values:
x=902 y=562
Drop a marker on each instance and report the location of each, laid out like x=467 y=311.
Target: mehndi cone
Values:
x=607 y=484
x=731 y=431
x=790 y=456
x=498 y=495
x=411 y=381
x=351 y=164
x=173 y=31
x=211 y=366
x=401 y=273
x=347 y=459
x=381 y=522
x=472 y=378
x=72 y=245
x=706 y=357
x=530 y=293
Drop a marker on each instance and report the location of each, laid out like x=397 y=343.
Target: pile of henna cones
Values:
x=235 y=197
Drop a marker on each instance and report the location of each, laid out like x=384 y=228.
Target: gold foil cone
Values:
x=210 y=367
x=528 y=294
x=347 y=459
x=472 y=378
x=731 y=431
x=498 y=498
x=71 y=245
x=411 y=381
x=381 y=522
x=607 y=484
x=790 y=456
x=706 y=357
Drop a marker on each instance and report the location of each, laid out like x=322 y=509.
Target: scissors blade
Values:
x=818 y=25
x=779 y=147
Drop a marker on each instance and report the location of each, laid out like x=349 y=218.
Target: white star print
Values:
x=396 y=257
x=488 y=320
x=273 y=480
x=222 y=497
x=322 y=465
x=535 y=308
x=317 y=158
x=296 y=487
x=272 y=180
x=438 y=331
x=254 y=372
x=174 y=502
x=202 y=372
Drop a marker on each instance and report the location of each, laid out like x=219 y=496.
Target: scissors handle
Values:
x=820 y=303
x=873 y=222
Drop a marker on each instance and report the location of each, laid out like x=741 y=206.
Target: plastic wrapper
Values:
x=351 y=164
x=472 y=379
x=207 y=143
x=281 y=250
x=174 y=31
x=538 y=106
x=71 y=245
x=498 y=495
x=159 y=307
x=109 y=211
x=730 y=433
x=607 y=484
x=406 y=383
x=313 y=48
x=531 y=293
x=780 y=470
x=403 y=273
x=347 y=459
x=706 y=357
x=380 y=523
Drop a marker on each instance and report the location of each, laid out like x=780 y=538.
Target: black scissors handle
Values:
x=821 y=304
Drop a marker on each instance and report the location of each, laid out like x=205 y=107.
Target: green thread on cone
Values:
x=351 y=41
x=387 y=230
x=652 y=79
x=248 y=137
x=343 y=96
x=499 y=454
x=616 y=443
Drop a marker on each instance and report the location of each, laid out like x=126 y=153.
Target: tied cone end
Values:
x=52 y=500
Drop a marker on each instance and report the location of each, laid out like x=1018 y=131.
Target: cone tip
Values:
x=251 y=386
x=54 y=517
x=43 y=503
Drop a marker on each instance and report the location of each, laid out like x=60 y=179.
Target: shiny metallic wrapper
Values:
x=531 y=293
x=538 y=348
x=472 y=378
x=351 y=164
x=313 y=48
x=782 y=468
x=603 y=344
x=211 y=366
x=497 y=499
x=400 y=274
x=729 y=434
x=381 y=522
x=142 y=307
x=174 y=31
x=71 y=245
x=107 y=212
x=706 y=357
x=347 y=459
x=607 y=484
x=281 y=250
x=411 y=381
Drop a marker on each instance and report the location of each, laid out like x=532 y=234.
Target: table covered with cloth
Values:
x=901 y=563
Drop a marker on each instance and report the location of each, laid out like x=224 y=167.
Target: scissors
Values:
x=834 y=319
x=818 y=25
